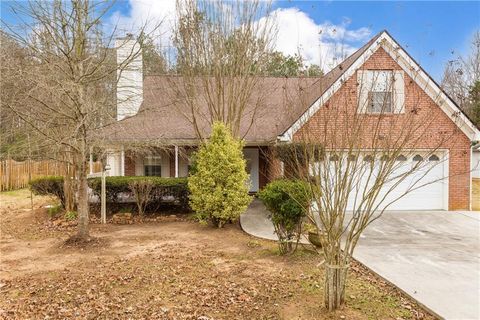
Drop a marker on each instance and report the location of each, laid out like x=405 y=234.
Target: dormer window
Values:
x=380 y=91
x=380 y=83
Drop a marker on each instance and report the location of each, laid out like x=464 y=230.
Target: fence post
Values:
x=9 y=164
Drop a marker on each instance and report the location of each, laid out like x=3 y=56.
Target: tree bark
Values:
x=83 y=230
x=335 y=281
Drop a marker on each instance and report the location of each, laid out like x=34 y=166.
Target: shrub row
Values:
x=162 y=188
x=117 y=187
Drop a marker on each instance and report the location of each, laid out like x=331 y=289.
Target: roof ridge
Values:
x=258 y=76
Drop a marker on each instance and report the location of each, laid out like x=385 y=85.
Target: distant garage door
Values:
x=428 y=184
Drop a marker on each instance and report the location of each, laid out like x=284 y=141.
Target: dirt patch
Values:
x=78 y=242
x=174 y=270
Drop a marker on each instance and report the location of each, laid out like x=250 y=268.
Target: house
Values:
x=149 y=115
x=476 y=161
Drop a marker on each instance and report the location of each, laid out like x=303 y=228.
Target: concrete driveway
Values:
x=433 y=256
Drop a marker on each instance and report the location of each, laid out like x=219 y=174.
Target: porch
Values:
x=175 y=161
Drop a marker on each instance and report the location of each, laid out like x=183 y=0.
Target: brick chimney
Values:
x=130 y=76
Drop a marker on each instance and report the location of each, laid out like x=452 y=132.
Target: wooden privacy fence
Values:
x=17 y=175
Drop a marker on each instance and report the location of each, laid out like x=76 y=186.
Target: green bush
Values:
x=287 y=201
x=162 y=187
x=70 y=215
x=49 y=186
x=218 y=186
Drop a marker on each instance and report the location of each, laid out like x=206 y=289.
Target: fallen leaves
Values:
x=166 y=285
x=167 y=268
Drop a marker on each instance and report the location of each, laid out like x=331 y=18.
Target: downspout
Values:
x=470 y=200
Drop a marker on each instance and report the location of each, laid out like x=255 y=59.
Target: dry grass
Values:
x=475 y=194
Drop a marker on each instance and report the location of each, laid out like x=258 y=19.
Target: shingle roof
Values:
x=276 y=103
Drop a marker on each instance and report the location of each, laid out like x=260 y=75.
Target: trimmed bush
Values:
x=49 y=186
x=287 y=201
x=218 y=186
x=162 y=187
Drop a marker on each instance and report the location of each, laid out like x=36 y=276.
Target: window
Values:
x=152 y=166
x=368 y=158
x=153 y=170
x=379 y=102
x=434 y=157
x=418 y=158
x=401 y=158
x=380 y=91
x=334 y=158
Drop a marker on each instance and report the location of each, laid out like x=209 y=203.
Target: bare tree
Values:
x=71 y=79
x=219 y=45
x=461 y=75
x=359 y=154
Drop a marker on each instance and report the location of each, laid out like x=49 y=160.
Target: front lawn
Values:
x=173 y=269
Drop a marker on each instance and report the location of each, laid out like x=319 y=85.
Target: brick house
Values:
x=149 y=114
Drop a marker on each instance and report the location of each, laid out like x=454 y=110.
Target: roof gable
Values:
x=408 y=64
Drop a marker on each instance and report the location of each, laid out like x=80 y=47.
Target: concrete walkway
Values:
x=433 y=256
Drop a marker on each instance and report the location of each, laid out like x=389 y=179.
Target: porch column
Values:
x=176 y=161
x=122 y=162
x=90 y=163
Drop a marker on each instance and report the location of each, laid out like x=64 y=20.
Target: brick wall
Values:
x=270 y=166
x=171 y=157
x=423 y=126
x=129 y=164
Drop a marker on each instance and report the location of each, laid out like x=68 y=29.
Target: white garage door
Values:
x=425 y=189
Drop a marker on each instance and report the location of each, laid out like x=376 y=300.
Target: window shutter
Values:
x=363 y=85
x=399 y=92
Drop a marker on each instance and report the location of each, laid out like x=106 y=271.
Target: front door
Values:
x=251 y=156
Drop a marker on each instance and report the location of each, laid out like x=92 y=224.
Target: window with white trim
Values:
x=380 y=91
x=152 y=166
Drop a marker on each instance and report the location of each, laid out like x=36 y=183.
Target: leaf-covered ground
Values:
x=171 y=269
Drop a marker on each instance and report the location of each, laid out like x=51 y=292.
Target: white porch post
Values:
x=176 y=161
x=122 y=162
x=103 y=200
x=91 y=161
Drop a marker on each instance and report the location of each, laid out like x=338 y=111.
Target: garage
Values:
x=425 y=189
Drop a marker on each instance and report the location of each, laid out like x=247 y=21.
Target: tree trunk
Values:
x=83 y=231
x=335 y=280
x=68 y=192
